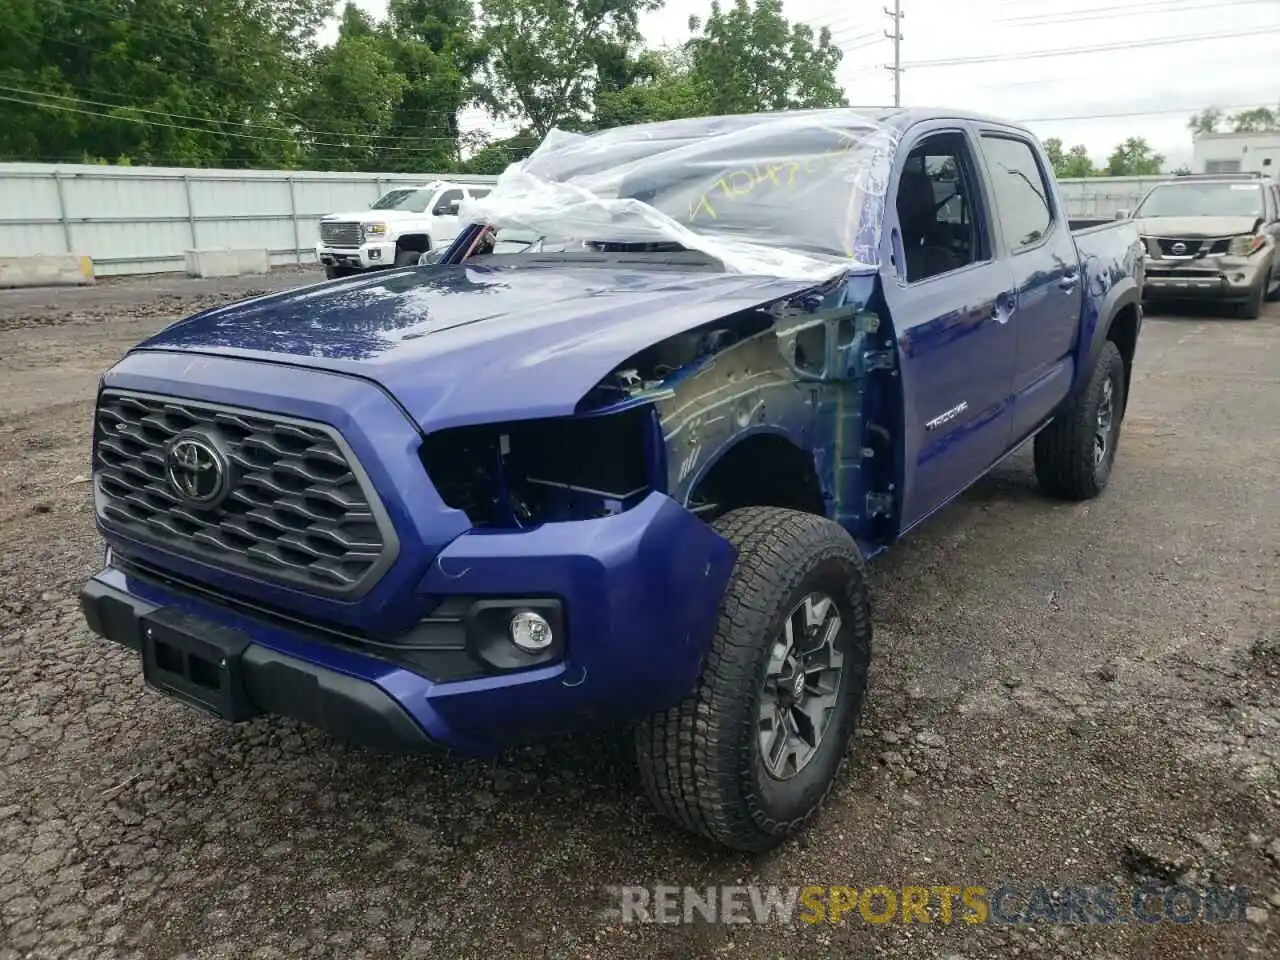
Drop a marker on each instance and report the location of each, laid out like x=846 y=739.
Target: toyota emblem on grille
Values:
x=197 y=470
x=1178 y=249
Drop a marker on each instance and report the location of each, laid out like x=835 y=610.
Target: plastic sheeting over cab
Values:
x=798 y=195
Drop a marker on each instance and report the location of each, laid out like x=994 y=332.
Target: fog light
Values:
x=530 y=631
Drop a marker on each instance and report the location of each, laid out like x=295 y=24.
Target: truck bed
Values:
x=1108 y=246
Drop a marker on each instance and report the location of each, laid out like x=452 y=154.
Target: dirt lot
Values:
x=1061 y=694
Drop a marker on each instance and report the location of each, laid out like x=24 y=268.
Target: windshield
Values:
x=795 y=194
x=1203 y=200
x=414 y=201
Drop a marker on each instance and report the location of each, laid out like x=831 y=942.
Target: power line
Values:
x=238 y=88
x=1132 y=9
x=1263 y=60
x=1143 y=113
x=66 y=108
x=851 y=35
x=1101 y=48
x=279 y=128
x=866 y=44
x=896 y=37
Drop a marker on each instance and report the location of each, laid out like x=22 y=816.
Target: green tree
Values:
x=1053 y=149
x=157 y=81
x=346 y=107
x=546 y=56
x=1206 y=121
x=1077 y=163
x=495 y=157
x=1254 y=121
x=746 y=59
x=436 y=47
x=1067 y=164
x=1134 y=158
x=661 y=89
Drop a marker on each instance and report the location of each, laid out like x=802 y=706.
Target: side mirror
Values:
x=1122 y=214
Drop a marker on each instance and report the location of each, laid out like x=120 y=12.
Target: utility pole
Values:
x=897 y=15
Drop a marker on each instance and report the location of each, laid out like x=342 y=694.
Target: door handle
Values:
x=1003 y=308
x=1068 y=282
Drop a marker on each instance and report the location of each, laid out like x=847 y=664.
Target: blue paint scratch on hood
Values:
x=468 y=344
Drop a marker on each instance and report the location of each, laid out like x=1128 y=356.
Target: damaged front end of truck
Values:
x=487 y=499
x=776 y=403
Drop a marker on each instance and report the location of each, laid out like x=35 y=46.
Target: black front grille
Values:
x=340 y=233
x=298 y=509
x=1191 y=246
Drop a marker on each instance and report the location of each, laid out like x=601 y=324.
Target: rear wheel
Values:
x=1074 y=454
x=749 y=756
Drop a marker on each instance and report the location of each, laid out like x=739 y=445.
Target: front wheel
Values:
x=1251 y=309
x=749 y=756
x=408 y=258
x=1074 y=453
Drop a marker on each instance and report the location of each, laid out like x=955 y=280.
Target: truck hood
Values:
x=366 y=215
x=470 y=344
x=1195 y=226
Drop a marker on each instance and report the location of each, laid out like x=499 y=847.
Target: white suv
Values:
x=401 y=226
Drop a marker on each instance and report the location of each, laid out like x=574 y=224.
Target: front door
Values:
x=951 y=298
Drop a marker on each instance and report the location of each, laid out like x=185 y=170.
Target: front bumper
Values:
x=640 y=594
x=226 y=673
x=367 y=256
x=1224 y=280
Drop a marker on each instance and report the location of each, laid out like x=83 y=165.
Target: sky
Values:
x=1036 y=61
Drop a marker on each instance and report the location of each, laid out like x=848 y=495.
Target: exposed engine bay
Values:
x=651 y=424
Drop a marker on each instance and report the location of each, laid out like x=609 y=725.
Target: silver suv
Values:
x=1212 y=237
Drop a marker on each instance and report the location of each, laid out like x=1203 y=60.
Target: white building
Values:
x=1237 y=153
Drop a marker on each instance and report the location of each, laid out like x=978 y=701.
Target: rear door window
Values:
x=1021 y=191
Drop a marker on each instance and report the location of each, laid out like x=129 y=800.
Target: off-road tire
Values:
x=1064 y=457
x=408 y=258
x=1251 y=309
x=700 y=761
x=333 y=273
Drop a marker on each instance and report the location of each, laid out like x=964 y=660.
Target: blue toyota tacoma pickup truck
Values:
x=619 y=455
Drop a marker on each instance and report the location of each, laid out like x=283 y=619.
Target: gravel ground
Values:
x=1061 y=694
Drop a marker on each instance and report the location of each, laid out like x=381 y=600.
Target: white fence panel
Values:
x=144 y=219
x=1101 y=197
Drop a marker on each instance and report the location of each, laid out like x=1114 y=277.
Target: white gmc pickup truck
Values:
x=401 y=226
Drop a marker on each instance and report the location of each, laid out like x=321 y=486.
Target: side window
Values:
x=1021 y=194
x=447 y=205
x=939 y=210
x=477 y=192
